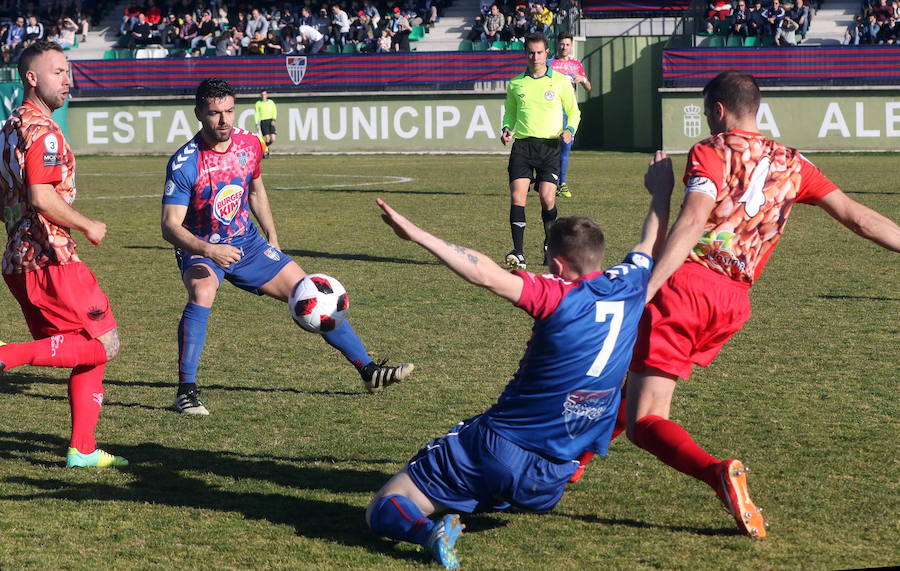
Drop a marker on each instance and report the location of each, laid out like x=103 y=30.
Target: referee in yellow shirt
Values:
x=265 y=116
x=533 y=117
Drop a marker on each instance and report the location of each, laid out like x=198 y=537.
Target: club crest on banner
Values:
x=296 y=68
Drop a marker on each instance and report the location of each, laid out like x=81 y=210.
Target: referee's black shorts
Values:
x=267 y=127
x=536 y=159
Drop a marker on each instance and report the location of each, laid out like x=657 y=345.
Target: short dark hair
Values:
x=579 y=241
x=565 y=36
x=212 y=88
x=536 y=37
x=33 y=51
x=736 y=91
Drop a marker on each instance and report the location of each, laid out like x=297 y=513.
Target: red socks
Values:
x=85 y=400
x=674 y=446
x=61 y=351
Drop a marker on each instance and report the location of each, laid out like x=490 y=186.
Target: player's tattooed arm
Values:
x=470 y=265
x=472 y=258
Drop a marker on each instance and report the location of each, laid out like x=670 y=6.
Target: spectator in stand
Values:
x=323 y=23
x=310 y=39
x=800 y=14
x=240 y=23
x=140 y=34
x=273 y=44
x=66 y=30
x=306 y=18
x=207 y=32
x=400 y=30
x=774 y=15
x=756 y=22
x=493 y=25
x=716 y=14
x=256 y=23
x=340 y=25
x=188 y=32
x=520 y=24
x=286 y=19
x=887 y=34
x=485 y=7
x=361 y=29
x=740 y=26
x=372 y=12
x=129 y=19
x=227 y=44
x=870 y=31
x=257 y=44
x=384 y=42
x=883 y=11
x=428 y=12
x=34 y=31
x=221 y=21
x=541 y=19
x=153 y=14
x=786 y=34
x=855 y=31
x=171 y=31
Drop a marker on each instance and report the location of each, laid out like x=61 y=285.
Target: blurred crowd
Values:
x=512 y=20
x=876 y=24
x=233 y=28
x=787 y=22
x=61 y=21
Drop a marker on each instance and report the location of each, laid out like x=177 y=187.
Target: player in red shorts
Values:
x=740 y=187
x=68 y=315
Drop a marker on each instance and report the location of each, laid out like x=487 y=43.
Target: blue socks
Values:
x=191 y=338
x=345 y=340
x=564 y=151
x=397 y=517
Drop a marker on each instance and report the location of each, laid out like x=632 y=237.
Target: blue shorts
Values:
x=472 y=468
x=259 y=263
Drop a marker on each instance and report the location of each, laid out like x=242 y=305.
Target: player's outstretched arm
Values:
x=862 y=220
x=686 y=230
x=45 y=200
x=659 y=181
x=472 y=266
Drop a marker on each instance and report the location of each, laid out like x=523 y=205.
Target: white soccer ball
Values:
x=318 y=303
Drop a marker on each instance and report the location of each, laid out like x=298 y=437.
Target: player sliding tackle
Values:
x=213 y=184
x=565 y=395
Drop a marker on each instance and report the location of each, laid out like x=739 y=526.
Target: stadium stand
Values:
x=632 y=8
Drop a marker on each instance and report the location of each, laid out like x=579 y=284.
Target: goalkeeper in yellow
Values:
x=265 y=116
x=535 y=101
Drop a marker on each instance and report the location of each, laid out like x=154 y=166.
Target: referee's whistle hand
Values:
x=505 y=137
x=566 y=136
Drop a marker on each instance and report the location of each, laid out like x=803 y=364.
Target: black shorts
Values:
x=267 y=127
x=536 y=159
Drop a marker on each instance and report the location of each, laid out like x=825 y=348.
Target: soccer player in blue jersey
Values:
x=563 y=399
x=213 y=184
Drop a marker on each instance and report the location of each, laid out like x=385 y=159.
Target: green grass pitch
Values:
x=280 y=473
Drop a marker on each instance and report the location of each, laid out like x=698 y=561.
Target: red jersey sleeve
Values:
x=541 y=295
x=44 y=159
x=814 y=185
x=704 y=162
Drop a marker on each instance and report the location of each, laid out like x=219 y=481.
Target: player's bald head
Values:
x=738 y=92
x=579 y=241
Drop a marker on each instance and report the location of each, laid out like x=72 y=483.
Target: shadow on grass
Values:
x=859 y=298
x=348 y=189
x=159 y=476
x=594 y=519
x=326 y=255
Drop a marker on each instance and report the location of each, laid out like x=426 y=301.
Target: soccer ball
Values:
x=318 y=303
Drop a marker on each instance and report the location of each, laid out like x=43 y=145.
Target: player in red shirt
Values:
x=740 y=187
x=66 y=311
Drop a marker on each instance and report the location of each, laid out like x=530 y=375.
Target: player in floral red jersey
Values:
x=67 y=313
x=740 y=187
x=213 y=184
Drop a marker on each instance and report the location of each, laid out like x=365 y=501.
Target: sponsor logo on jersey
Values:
x=227 y=203
x=549 y=95
x=272 y=254
x=215 y=239
x=52 y=159
x=242 y=158
x=583 y=408
x=170 y=188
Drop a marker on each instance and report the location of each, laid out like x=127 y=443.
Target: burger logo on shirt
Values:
x=227 y=202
